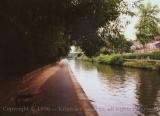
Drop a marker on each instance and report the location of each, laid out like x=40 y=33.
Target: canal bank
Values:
x=150 y=61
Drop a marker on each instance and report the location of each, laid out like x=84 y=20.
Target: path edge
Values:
x=85 y=103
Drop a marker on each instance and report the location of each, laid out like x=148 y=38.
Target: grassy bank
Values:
x=137 y=60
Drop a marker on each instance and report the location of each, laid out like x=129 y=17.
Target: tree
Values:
x=147 y=27
x=117 y=44
x=114 y=39
x=37 y=32
x=121 y=44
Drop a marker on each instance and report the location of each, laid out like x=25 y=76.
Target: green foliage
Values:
x=113 y=39
x=147 y=27
x=117 y=60
x=149 y=55
x=137 y=60
x=157 y=66
x=114 y=59
x=37 y=32
x=120 y=44
x=141 y=64
x=116 y=45
x=78 y=49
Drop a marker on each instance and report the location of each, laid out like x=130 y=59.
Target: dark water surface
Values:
x=117 y=91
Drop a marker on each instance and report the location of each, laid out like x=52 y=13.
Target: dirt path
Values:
x=49 y=91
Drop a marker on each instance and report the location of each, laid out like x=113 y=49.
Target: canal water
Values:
x=117 y=91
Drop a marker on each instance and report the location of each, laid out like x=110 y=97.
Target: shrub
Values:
x=150 y=55
x=119 y=59
x=114 y=59
x=157 y=66
x=140 y=64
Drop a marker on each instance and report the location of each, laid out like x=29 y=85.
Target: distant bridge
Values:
x=73 y=55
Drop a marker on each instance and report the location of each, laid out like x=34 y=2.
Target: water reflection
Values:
x=119 y=91
x=148 y=93
x=116 y=75
x=85 y=65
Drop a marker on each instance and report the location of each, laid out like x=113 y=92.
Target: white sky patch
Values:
x=130 y=30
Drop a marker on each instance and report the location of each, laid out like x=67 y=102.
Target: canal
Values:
x=117 y=91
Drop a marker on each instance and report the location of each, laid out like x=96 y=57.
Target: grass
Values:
x=137 y=60
x=147 y=55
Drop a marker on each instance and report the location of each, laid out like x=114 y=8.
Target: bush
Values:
x=150 y=55
x=119 y=59
x=114 y=59
x=140 y=64
x=157 y=66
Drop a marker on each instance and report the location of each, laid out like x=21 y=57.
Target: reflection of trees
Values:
x=85 y=65
x=147 y=91
x=112 y=74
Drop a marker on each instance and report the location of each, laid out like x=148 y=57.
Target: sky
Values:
x=130 y=29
